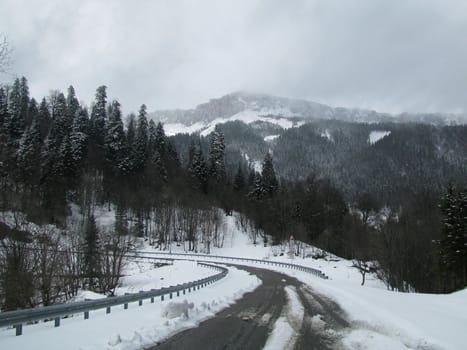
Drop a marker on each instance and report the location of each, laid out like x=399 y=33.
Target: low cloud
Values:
x=385 y=55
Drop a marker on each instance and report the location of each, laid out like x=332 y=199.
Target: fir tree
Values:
x=33 y=111
x=4 y=116
x=453 y=243
x=115 y=143
x=131 y=130
x=72 y=104
x=197 y=169
x=239 y=180
x=91 y=251
x=173 y=161
x=160 y=141
x=258 y=190
x=216 y=157
x=61 y=125
x=24 y=96
x=4 y=134
x=16 y=121
x=159 y=166
x=268 y=175
x=99 y=115
x=28 y=154
x=140 y=150
x=44 y=119
x=79 y=135
x=151 y=137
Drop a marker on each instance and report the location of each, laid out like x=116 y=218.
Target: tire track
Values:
x=247 y=324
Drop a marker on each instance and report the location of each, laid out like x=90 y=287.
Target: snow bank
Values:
x=383 y=319
x=136 y=327
x=391 y=320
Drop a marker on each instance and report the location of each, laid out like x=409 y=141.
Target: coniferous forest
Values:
x=60 y=161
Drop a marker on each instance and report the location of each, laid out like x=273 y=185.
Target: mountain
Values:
x=358 y=150
x=284 y=112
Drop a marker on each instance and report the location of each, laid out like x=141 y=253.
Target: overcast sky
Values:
x=391 y=55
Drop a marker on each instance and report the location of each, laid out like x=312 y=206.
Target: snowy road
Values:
x=282 y=309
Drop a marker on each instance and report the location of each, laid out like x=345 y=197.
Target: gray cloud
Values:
x=386 y=55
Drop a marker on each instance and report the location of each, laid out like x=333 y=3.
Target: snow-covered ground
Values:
x=138 y=326
x=377 y=135
x=247 y=116
x=380 y=319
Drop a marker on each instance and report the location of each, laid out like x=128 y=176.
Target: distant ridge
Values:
x=237 y=105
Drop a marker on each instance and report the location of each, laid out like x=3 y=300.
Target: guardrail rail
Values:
x=56 y=312
x=315 y=272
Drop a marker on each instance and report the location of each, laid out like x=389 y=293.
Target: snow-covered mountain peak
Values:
x=242 y=106
x=285 y=112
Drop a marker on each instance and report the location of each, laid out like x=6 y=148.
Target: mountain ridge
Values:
x=235 y=105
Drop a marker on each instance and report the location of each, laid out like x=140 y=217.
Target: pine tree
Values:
x=158 y=150
x=258 y=190
x=151 y=137
x=239 y=180
x=131 y=130
x=140 y=149
x=91 y=251
x=197 y=169
x=160 y=141
x=28 y=154
x=115 y=143
x=16 y=122
x=66 y=166
x=79 y=135
x=173 y=161
x=44 y=119
x=99 y=116
x=216 y=157
x=72 y=104
x=159 y=166
x=268 y=176
x=61 y=125
x=33 y=111
x=4 y=116
x=24 y=96
x=453 y=243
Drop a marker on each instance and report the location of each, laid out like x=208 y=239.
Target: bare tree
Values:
x=363 y=267
x=48 y=265
x=163 y=222
x=115 y=249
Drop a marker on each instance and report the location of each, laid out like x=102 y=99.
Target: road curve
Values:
x=248 y=323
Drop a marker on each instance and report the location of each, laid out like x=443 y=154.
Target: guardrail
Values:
x=310 y=270
x=56 y=312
